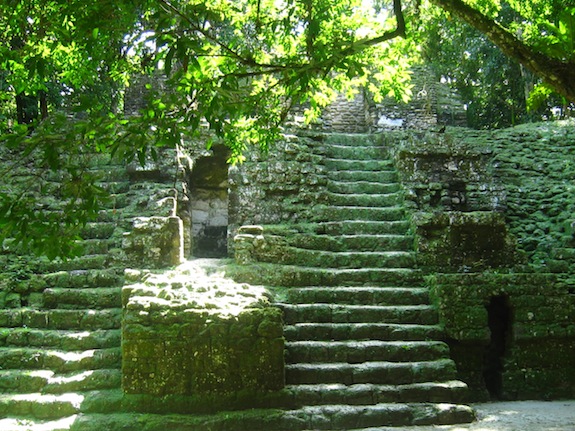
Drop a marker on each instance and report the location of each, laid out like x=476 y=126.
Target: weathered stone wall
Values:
x=494 y=208
x=456 y=200
x=191 y=332
x=432 y=104
x=281 y=186
x=537 y=360
x=448 y=172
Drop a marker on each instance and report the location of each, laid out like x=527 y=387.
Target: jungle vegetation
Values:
x=236 y=68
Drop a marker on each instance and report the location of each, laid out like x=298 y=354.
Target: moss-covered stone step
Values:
x=355 y=173
x=97 y=246
x=373 y=242
x=59 y=361
x=301 y=276
x=346 y=417
x=394 y=373
x=98 y=230
x=351 y=139
x=47 y=381
x=354 y=352
x=62 y=319
x=338 y=230
x=326 y=417
x=451 y=391
x=23 y=381
x=361 y=331
x=343 y=164
x=58 y=339
x=363 y=187
x=338 y=313
x=359 y=152
x=347 y=259
x=36 y=406
x=84 y=278
x=86 y=262
x=354 y=227
x=45 y=410
x=116 y=182
x=364 y=199
x=345 y=213
x=90 y=380
x=358 y=295
x=255 y=420
x=89 y=297
x=27 y=424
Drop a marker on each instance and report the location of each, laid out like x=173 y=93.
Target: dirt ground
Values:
x=513 y=416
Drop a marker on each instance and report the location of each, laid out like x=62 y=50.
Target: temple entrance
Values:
x=499 y=320
x=208 y=185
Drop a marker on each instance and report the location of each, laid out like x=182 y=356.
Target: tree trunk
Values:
x=558 y=74
x=26 y=108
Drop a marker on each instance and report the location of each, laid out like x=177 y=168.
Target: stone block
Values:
x=198 y=336
x=154 y=242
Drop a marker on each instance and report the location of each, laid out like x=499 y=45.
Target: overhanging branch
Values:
x=558 y=74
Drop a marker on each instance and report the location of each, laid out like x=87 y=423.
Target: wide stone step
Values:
x=300 y=276
x=98 y=230
x=85 y=278
x=359 y=295
x=351 y=139
x=356 y=152
x=357 y=174
x=116 y=183
x=60 y=340
x=336 y=313
x=364 y=199
x=363 y=227
x=325 y=417
x=346 y=417
x=393 y=373
x=354 y=352
x=362 y=331
x=97 y=246
x=373 y=242
x=345 y=213
x=348 y=259
x=362 y=187
x=28 y=424
x=90 y=380
x=59 y=361
x=343 y=164
x=93 y=298
x=47 y=381
x=86 y=320
x=452 y=391
x=37 y=408
x=94 y=261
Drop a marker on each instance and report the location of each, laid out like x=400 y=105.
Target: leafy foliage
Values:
x=234 y=68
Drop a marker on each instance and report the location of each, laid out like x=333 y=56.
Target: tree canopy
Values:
x=233 y=67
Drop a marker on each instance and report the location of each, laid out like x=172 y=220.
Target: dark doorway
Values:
x=208 y=183
x=499 y=320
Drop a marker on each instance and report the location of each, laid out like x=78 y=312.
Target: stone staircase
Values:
x=60 y=347
x=363 y=343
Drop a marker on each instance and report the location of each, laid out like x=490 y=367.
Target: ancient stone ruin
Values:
x=365 y=272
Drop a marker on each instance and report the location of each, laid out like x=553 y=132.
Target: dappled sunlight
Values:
x=75 y=356
x=198 y=284
x=73 y=378
x=12 y=424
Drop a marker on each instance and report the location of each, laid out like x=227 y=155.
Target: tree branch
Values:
x=558 y=74
x=399 y=31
